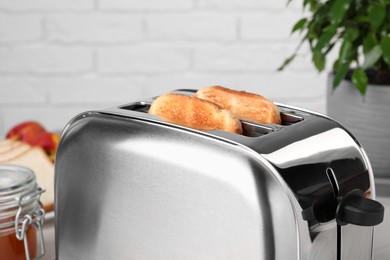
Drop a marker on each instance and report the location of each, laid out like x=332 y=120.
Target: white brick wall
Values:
x=240 y=57
x=59 y=58
x=43 y=59
x=94 y=28
x=143 y=59
x=20 y=28
x=193 y=26
x=243 y=4
x=269 y=25
x=145 y=5
x=46 y=5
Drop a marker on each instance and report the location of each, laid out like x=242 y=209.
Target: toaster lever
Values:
x=355 y=209
x=322 y=210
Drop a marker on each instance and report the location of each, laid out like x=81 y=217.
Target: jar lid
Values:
x=15 y=182
x=13 y=177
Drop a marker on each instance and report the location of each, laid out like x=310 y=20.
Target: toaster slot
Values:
x=250 y=129
x=290 y=118
x=139 y=107
x=255 y=130
x=186 y=92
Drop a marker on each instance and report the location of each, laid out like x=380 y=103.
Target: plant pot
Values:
x=367 y=118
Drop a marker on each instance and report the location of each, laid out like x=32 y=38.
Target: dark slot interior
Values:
x=140 y=107
x=255 y=130
x=290 y=118
x=250 y=129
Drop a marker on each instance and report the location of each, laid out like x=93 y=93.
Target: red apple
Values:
x=26 y=131
x=48 y=141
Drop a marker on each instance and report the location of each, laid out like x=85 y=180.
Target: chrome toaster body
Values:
x=130 y=186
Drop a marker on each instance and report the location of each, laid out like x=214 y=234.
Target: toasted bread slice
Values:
x=37 y=160
x=15 y=150
x=6 y=141
x=247 y=106
x=195 y=113
x=8 y=144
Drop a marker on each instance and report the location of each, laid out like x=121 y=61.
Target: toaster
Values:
x=131 y=186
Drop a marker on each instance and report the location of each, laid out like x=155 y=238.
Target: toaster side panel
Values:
x=131 y=189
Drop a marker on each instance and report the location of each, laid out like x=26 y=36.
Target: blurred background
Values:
x=60 y=58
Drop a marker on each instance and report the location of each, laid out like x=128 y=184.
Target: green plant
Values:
x=361 y=29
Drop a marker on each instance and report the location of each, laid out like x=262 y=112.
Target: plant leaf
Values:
x=313 y=5
x=325 y=38
x=286 y=62
x=340 y=74
x=352 y=33
x=338 y=10
x=336 y=65
x=376 y=15
x=345 y=50
x=371 y=57
x=361 y=19
x=299 y=25
x=319 y=60
x=369 y=42
x=385 y=46
x=360 y=80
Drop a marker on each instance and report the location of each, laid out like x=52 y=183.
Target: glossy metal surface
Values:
x=130 y=186
x=129 y=189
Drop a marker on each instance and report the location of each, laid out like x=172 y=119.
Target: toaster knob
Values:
x=355 y=209
x=322 y=210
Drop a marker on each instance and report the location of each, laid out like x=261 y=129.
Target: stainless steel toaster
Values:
x=131 y=186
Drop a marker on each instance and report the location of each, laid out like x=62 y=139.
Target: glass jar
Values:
x=21 y=214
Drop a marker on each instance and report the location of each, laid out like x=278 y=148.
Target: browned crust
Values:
x=247 y=106
x=195 y=113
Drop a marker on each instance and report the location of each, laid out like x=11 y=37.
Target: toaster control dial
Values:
x=355 y=209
